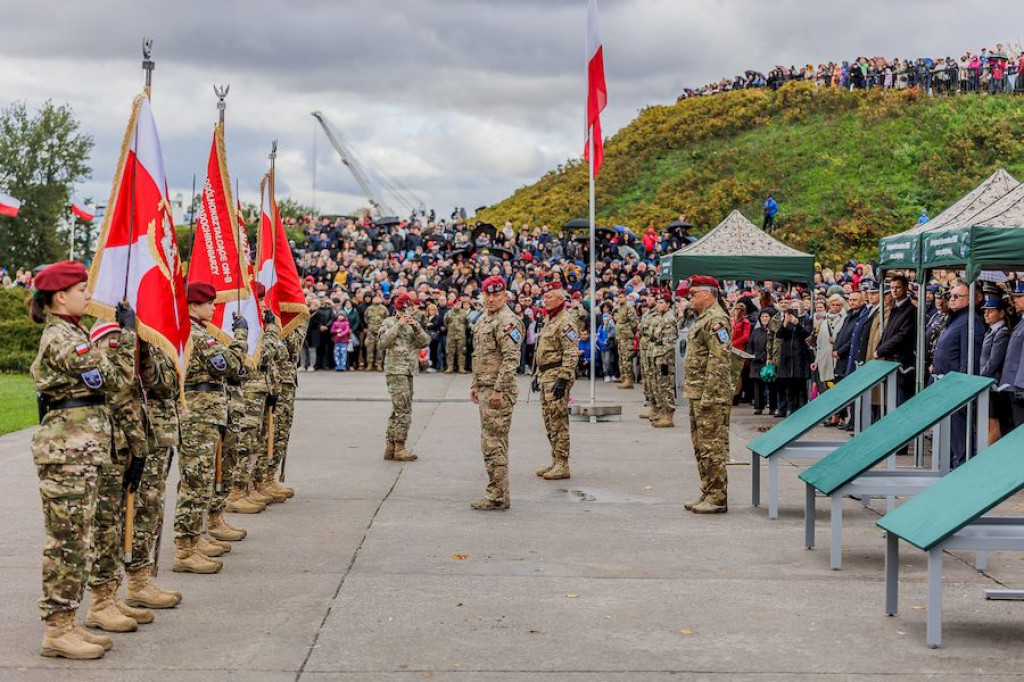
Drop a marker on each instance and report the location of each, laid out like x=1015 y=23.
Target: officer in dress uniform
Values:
x=557 y=355
x=993 y=356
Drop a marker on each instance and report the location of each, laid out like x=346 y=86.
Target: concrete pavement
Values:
x=380 y=571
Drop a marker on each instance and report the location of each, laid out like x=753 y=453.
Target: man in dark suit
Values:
x=899 y=337
x=841 y=347
x=862 y=332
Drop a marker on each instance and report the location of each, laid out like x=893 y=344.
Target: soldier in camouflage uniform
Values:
x=646 y=372
x=284 y=412
x=497 y=336
x=202 y=427
x=73 y=442
x=708 y=388
x=664 y=333
x=401 y=338
x=215 y=540
x=626 y=322
x=554 y=374
x=131 y=448
x=159 y=374
x=374 y=317
x=456 y=321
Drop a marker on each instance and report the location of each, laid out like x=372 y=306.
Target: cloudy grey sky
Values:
x=462 y=101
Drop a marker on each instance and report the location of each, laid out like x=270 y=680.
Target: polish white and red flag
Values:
x=597 y=91
x=80 y=211
x=9 y=206
x=276 y=265
x=217 y=255
x=137 y=254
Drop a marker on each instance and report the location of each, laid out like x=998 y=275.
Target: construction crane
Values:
x=373 y=183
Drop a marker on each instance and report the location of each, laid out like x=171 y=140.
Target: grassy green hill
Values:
x=846 y=167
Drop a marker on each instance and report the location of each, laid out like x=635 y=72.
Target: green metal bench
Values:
x=847 y=471
x=783 y=440
x=950 y=515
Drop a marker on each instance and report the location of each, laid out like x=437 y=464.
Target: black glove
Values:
x=560 y=386
x=535 y=385
x=238 y=322
x=133 y=474
x=271 y=401
x=664 y=370
x=125 y=316
x=269 y=317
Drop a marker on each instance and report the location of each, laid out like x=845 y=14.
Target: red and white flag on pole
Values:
x=217 y=258
x=137 y=254
x=597 y=91
x=80 y=211
x=9 y=206
x=275 y=264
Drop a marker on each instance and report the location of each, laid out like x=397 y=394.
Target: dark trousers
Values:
x=765 y=394
x=958 y=448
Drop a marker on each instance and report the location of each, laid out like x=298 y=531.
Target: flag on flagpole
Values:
x=275 y=264
x=137 y=254
x=9 y=206
x=597 y=91
x=217 y=257
x=79 y=210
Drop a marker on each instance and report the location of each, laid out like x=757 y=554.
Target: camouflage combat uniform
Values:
x=160 y=379
x=130 y=440
x=557 y=357
x=709 y=389
x=646 y=373
x=374 y=317
x=69 y=449
x=284 y=410
x=664 y=334
x=401 y=345
x=258 y=387
x=235 y=449
x=457 y=322
x=626 y=322
x=203 y=424
x=496 y=341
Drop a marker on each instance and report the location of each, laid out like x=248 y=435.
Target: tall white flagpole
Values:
x=593 y=281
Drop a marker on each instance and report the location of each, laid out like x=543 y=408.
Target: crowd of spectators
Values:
x=989 y=70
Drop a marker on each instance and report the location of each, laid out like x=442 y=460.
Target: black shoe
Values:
x=781 y=414
x=758 y=412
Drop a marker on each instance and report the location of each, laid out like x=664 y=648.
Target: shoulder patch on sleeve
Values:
x=93 y=379
x=219 y=363
x=82 y=348
x=211 y=342
x=722 y=335
x=513 y=332
x=571 y=333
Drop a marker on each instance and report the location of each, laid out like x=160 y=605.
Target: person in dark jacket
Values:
x=794 y=368
x=873 y=305
x=757 y=345
x=841 y=347
x=951 y=353
x=1008 y=379
x=900 y=336
x=859 y=337
x=993 y=355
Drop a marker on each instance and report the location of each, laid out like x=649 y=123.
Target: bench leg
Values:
x=836 y=551
x=892 y=574
x=981 y=560
x=865 y=501
x=934 y=630
x=809 y=517
x=755 y=479
x=773 y=488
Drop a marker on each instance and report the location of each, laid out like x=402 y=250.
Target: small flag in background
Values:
x=597 y=91
x=79 y=210
x=9 y=205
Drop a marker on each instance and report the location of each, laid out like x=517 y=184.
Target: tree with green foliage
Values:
x=42 y=156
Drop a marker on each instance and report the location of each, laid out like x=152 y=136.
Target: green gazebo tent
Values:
x=737 y=249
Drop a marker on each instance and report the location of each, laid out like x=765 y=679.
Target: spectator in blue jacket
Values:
x=770 y=209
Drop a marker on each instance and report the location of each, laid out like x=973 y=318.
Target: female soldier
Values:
x=74 y=440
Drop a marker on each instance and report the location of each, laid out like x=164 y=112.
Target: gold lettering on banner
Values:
x=213 y=236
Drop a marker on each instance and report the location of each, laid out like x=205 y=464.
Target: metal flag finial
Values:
x=221 y=91
x=273 y=150
x=147 y=61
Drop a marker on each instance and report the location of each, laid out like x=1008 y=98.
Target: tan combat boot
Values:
x=188 y=558
x=403 y=455
x=389 y=450
x=220 y=529
x=558 y=471
x=254 y=495
x=647 y=412
x=693 y=503
x=707 y=506
x=282 y=488
x=487 y=504
x=140 y=616
x=237 y=503
x=103 y=612
x=142 y=591
x=626 y=382
x=544 y=469
x=664 y=420
x=211 y=547
x=106 y=642
x=62 y=638
x=449 y=371
x=267 y=490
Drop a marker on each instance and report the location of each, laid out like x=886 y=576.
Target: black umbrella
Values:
x=387 y=221
x=577 y=224
x=502 y=253
x=679 y=225
x=484 y=228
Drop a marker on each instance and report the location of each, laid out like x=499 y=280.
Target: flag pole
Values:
x=593 y=283
x=222 y=92
x=71 y=251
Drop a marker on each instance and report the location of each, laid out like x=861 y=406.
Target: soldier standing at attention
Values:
x=374 y=317
x=159 y=375
x=457 y=322
x=266 y=482
x=401 y=338
x=497 y=336
x=664 y=334
x=646 y=371
x=557 y=355
x=202 y=427
x=73 y=442
x=708 y=388
x=626 y=322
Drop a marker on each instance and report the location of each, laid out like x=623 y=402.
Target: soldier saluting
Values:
x=557 y=355
x=709 y=388
x=401 y=338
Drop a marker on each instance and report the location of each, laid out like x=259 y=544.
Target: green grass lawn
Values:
x=18 y=397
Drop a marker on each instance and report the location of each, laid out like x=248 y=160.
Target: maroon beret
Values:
x=551 y=285
x=61 y=276
x=261 y=290
x=402 y=301
x=200 y=292
x=493 y=284
x=664 y=294
x=704 y=281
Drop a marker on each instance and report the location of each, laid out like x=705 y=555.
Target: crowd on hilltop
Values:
x=989 y=70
